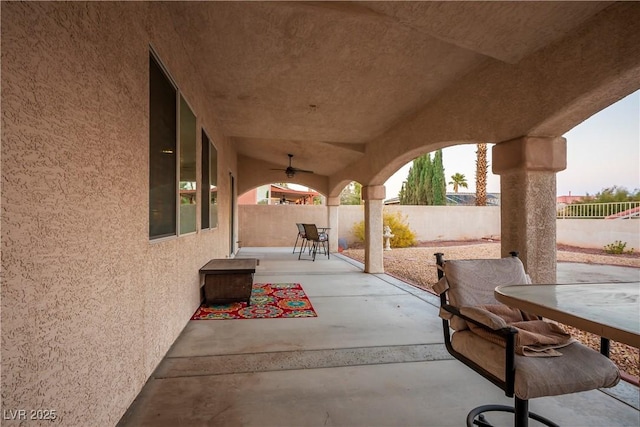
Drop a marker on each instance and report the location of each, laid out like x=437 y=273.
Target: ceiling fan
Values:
x=290 y=171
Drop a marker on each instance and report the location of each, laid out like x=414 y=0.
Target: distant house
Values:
x=276 y=194
x=567 y=200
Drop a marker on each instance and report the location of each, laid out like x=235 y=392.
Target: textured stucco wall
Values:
x=264 y=226
x=597 y=233
x=89 y=305
x=275 y=225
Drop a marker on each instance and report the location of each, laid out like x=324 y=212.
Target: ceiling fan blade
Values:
x=291 y=171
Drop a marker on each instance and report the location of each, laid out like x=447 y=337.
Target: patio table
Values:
x=610 y=310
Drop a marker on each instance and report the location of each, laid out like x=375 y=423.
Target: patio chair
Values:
x=490 y=346
x=301 y=235
x=316 y=239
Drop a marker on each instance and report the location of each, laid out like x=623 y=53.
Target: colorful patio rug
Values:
x=268 y=301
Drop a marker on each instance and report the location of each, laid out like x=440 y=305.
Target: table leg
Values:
x=604 y=346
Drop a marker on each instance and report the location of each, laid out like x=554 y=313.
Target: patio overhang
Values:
x=356 y=90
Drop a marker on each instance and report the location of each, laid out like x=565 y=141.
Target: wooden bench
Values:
x=228 y=280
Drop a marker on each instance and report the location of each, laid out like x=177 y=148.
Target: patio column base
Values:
x=527 y=167
x=373 y=197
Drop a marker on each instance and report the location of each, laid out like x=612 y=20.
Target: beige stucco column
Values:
x=373 y=197
x=333 y=204
x=527 y=167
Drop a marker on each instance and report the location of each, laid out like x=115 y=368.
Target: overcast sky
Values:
x=603 y=151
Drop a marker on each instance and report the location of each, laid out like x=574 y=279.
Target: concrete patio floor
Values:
x=374 y=356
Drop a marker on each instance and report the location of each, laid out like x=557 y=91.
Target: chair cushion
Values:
x=472 y=282
x=578 y=369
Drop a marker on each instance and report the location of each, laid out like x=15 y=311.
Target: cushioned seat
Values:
x=578 y=369
x=466 y=289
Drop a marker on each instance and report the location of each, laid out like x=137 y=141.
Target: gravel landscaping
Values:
x=416 y=265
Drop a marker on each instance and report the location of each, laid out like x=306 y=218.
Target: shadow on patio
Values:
x=374 y=356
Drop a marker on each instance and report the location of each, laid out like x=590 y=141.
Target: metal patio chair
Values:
x=315 y=239
x=487 y=344
x=301 y=235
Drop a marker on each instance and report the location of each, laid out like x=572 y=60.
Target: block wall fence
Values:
x=275 y=225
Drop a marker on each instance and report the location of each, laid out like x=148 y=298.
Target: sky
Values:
x=602 y=151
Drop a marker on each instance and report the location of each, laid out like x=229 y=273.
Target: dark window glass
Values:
x=162 y=153
x=204 y=185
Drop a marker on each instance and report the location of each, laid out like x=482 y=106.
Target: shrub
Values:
x=403 y=237
x=617 y=248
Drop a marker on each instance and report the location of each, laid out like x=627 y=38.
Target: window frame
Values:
x=180 y=97
x=154 y=58
x=205 y=192
x=177 y=147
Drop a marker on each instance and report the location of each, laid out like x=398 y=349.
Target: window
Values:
x=204 y=189
x=209 y=194
x=213 y=182
x=187 y=168
x=162 y=152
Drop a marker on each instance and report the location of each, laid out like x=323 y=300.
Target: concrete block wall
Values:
x=596 y=233
x=262 y=225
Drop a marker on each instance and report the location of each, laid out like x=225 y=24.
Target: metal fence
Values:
x=616 y=210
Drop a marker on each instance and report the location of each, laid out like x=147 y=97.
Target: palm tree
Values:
x=458 y=180
x=481 y=174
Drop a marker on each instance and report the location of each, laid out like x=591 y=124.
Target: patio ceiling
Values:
x=322 y=79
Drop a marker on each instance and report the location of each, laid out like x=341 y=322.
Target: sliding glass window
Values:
x=187 y=169
x=204 y=183
x=162 y=152
x=213 y=185
x=209 y=195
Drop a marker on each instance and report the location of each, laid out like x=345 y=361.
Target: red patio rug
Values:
x=268 y=301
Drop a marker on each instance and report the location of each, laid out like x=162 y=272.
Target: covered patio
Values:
x=110 y=109
x=374 y=356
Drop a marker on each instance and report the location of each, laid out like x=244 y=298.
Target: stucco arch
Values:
x=590 y=103
x=254 y=173
x=337 y=188
x=395 y=164
x=545 y=94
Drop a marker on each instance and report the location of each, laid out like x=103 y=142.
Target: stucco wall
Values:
x=89 y=305
x=262 y=225
x=275 y=225
x=596 y=233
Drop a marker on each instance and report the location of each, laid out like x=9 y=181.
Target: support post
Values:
x=527 y=167
x=373 y=197
x=333 y=204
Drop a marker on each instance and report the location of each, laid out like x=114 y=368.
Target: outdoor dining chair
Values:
x=315 y=239
x=301 y=235
x=493 y=348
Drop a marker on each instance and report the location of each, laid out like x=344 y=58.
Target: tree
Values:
x=481 y=174
x=612 y=195
x=458 y=180
x=425 y=189
x=438 y=185
x=425 y=183
x=351 y=194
